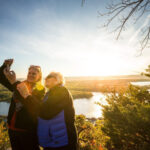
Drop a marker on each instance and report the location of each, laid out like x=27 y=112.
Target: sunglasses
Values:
x=35 y=67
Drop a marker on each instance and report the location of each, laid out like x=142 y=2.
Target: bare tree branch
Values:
x=146 y=39
x=128 y=8
x=124 y=10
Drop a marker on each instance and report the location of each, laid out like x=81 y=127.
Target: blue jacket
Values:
x=53 y=132
x=56 y=122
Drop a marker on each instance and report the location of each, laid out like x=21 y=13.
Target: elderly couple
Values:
x=38 y=118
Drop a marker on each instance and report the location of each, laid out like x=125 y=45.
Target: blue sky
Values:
x=60 y=35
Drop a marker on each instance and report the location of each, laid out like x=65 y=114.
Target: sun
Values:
x=103 y=66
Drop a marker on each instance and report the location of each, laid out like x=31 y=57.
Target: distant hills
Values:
x=131 y=77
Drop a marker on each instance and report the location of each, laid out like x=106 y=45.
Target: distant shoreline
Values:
x=83 y=88
x=112 y=77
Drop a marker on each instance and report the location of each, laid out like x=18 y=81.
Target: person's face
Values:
x=50 y=82
x=33 y=75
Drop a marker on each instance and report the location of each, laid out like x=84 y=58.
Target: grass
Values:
x=98 y=85
x=81 y=94
x=5 y=95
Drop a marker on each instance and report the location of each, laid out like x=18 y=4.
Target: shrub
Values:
x=127 y=119
x=4 y=139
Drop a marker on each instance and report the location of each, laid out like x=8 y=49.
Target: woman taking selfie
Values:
x=22 y=124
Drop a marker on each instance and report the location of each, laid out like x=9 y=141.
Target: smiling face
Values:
x=50 y=82
x=33 y=75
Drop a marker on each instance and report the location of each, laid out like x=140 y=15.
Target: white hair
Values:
x=58 y=76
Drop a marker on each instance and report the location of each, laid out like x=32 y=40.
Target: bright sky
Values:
x=60 y=35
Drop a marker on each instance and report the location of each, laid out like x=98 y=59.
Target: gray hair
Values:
x=58 y=76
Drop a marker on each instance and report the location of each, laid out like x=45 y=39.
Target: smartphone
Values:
x=8 y=63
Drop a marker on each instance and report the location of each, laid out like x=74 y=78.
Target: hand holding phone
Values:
x=8 y=63
x=10 y=75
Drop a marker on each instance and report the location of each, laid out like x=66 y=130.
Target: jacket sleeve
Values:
x=54 y=105
x=32 y=102
x=3 y=79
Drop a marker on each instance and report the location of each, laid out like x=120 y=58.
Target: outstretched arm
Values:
x=55 y=103
x=32 y=102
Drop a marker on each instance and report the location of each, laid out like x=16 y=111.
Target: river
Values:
x=83 y=106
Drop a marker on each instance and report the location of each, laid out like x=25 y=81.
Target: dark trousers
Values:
x=59 y=148
x=23 y=140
